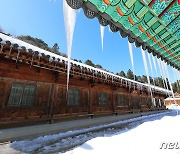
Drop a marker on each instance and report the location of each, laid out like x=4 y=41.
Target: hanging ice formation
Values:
x=167 y=76
x=149 y=58
x=102 y=36
x=161 y=72
x=147 y=74
x=131 y=56
x=69 y=21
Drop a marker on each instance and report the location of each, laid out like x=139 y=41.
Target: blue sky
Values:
x=44 y=19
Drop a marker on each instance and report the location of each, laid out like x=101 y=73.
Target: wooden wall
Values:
x=169 y=102
x=51 y=94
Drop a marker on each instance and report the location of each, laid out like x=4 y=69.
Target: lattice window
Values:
x=21 y=95
x=121 y=99
x=103 y=97
x=73 y=97
x=135 y=102
x=28 y=95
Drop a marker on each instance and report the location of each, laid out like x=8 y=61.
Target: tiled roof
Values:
x=152 y=24
x=35 y=51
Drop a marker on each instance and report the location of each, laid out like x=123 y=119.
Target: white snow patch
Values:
x=57 y=142
x=147 y=138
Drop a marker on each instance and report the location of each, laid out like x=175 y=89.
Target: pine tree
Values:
x=122 y=74
x=55 y=48
x=130 y=74
x=89 y=62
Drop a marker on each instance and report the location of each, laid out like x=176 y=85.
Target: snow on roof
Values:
x=34 y=48
x=172 y=99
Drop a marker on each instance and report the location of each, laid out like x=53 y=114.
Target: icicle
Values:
x=69 y=20
x=176 y=79
x=102 y=35
x=167 y=73
x=147 y=73
x=131 y=56
x=109 y=29
x=2 y=47
x=164 y=74
x=168 y=77
x=17 y=56
x=154 y=62
x=10 y=50
x=145 y=65
x=149 y=58
x=160 y=69
x=176 y=73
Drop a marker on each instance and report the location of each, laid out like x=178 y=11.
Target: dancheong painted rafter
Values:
x=152 y=24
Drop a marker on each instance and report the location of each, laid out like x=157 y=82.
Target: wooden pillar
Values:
x=140 y=102
x=49 y=101
x=52 y=99
x=129 y=100
x=90 y=100
x=113 y=102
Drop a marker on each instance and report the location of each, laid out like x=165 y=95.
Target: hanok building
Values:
x=33 y=88
x=171 y=100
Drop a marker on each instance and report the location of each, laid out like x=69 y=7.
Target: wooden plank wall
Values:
x=51 y=91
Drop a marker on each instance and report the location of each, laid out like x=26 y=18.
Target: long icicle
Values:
x=164 y=73
x=147 y=74
x=160 y=69
x=149 y=58
x=154 y=63
x=176 y=79
x=69 y=20
x=102 y=36
x=167 y=73
x=131 y=56
x=168 y=77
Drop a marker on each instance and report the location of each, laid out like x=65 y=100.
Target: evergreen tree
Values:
x=144 y=79
x=89 y=62
x=55 y=48
x=138 y=78
x=176 y=87
x=130 y=74
x=98 y=66
x=122 y=73
x=34 y=41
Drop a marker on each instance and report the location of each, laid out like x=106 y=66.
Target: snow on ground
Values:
x=146 y=137
x=174 y=107
x=151 y=137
